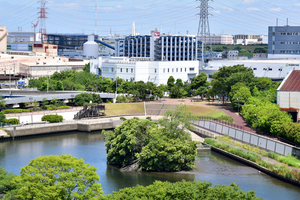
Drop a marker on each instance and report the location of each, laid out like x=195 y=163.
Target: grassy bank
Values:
x=278 y=169
x=288 y=159
x=124 y=109
x=204 y=111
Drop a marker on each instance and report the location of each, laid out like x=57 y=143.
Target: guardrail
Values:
x=220 y=128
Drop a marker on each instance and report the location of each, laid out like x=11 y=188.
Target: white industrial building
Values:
x=158 y=47
x=273 y=69
x=288 y=94
x=217 y=39
x=142 y=69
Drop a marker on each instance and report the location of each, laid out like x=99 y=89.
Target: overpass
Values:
x=30 y=96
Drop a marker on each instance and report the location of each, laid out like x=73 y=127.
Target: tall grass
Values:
x=288 y=159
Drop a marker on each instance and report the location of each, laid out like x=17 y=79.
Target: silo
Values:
x=90 y=48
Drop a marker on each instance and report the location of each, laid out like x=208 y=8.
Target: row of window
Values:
x=290 y=42
x=290 y=33
x=269 y=69
x=176 y=70
x=121 y=70
x=290 y=51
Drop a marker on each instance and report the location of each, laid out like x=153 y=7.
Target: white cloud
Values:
x=118 y=6
x=248 y=1
x=216 y=11
x=297 y=4
x=253 y=9
x=275 y=9
x=228 y=9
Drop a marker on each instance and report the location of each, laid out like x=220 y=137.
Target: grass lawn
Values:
x=204 y=111
x=124 y=108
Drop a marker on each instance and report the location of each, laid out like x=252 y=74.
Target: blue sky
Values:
x=174 y=16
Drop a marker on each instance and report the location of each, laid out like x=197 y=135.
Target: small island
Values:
x=144 y=145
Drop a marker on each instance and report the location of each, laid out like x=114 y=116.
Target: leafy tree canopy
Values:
x=57 y=177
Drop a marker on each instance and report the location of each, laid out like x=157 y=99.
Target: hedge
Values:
x=52 y=107
x=52 y=118
x=12 y=121
x=15 y=110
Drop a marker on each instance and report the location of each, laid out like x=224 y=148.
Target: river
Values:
x=210 y=166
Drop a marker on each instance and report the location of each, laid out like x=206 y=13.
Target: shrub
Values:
x=2 y=117
x=122 y=118
x=12 y=121
x=273 y=155
x=52 y=118
x=225 y=118
x=15 y=110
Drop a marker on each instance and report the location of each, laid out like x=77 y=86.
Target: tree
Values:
x=35 y=105
x=2 y=117
x=97 y=98
x=170 y=82
x=87 y=68
x=182 y=190
x=201 y=91
x=59 y=85
x=44 y=102
x=179 y=82
x=240 y=97
x=2 y=103
x=58 y=177
x=83 y=98
x=198 y=81
x=176 y=122
x=128 y=139
x=237 y=48
x=5 y=181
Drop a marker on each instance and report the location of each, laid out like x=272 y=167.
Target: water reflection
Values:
x=211 y=166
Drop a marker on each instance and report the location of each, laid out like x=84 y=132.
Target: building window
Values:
x=176 y=69
x=131 y=70
x=155 y=71
x=168 y=70
x=185 y=69
x=112 y=69
x=254 y=68
x=180 y=69
x=270 y=69
x=172 y=69
x=164 y=70
x=126 y=70
x=192 y=69
x=120 y=69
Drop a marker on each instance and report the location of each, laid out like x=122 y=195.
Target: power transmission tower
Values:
x=204 y=31
x=42 y=19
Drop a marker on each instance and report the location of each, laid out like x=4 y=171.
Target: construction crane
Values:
x=34 y=26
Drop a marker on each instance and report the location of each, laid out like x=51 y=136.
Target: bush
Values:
x=52 y=118
x=225 y=118
x=15 y=110
x=12 y=121
x=2 y=117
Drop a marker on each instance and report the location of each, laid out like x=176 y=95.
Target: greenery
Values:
x=57 y=177
x=2 y=117
x=5 y=181
x=124 y=99
x=124 y=109
x=85 y=98
x=12 y=121
x=288 y=159
x=7 y=111
x=278 y=169
x=52 y=118
x=163 y=147
x=182 y=190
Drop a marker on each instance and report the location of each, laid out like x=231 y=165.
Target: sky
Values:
x=170 y=16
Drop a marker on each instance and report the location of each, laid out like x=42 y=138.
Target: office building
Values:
x=158 y=48
x=284 y=42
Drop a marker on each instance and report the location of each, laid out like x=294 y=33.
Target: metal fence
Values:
x=246 y=137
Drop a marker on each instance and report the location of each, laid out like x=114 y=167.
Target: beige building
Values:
x=45 y=49
x=237 y=38
x=218 y=39
x=3 y=39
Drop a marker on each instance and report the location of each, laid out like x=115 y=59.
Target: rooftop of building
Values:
x=291 y=82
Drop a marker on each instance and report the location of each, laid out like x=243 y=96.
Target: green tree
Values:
x=240 y=98
x=59 y=85
x=2 y=117
x=199 y=81
x=57 y=177
x=170 y=82
x=176 y=122
x=201 y=91
x=127 y=140
x=192 y=190
x=86 y=68
x=82 y=99
x=179 y=82
x=97 y=98
x=5 y=181
x=44 y=102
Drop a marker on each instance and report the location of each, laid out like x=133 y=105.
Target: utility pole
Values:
x=203 y=29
